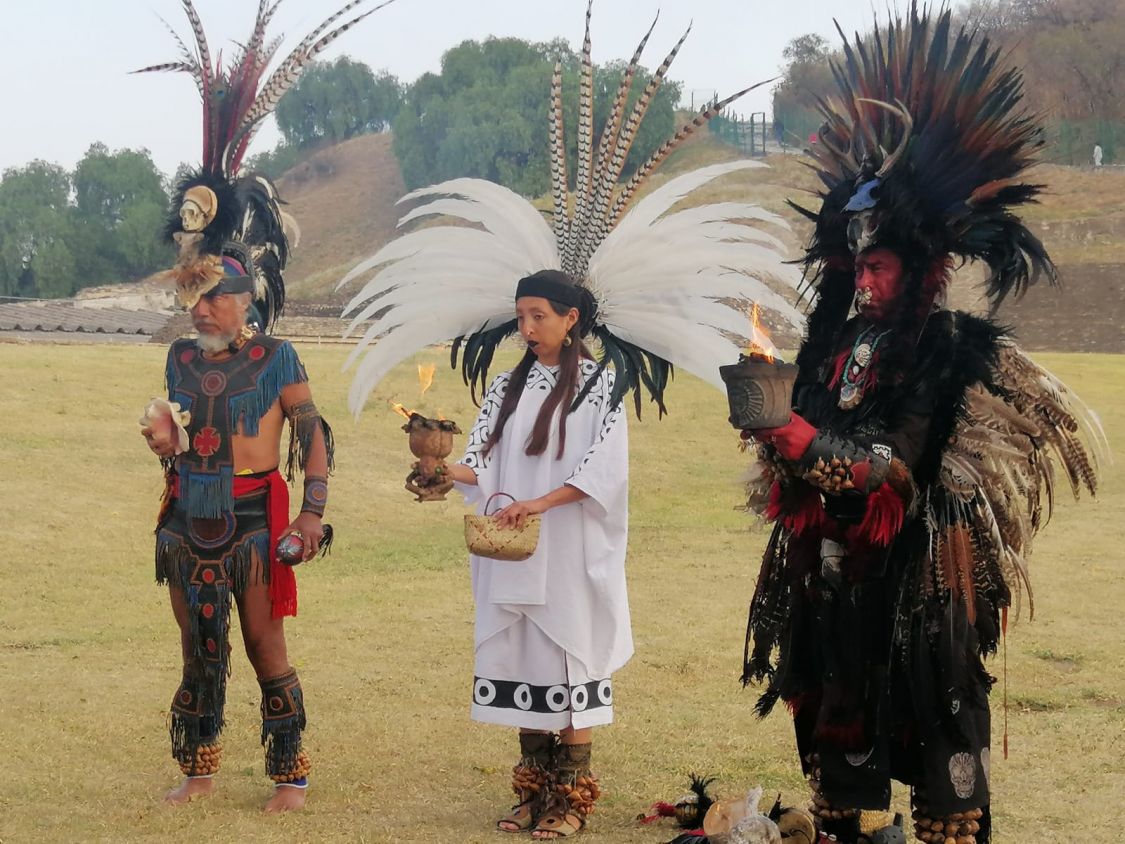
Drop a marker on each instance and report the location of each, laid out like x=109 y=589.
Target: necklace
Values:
x=855 y=371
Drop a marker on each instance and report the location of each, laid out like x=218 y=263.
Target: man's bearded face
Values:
x=878 y=283
x=218 y=319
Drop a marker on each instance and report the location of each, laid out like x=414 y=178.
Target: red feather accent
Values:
x=884 y=516
x=798 y=509
x=838 y=368
x=663 y=810
x=796 y=704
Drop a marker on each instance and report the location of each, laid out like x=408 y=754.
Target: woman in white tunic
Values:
x=551 y=630
x=670 y=280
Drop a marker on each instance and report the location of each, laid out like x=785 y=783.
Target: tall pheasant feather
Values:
x=669 y=284
x=233 y=104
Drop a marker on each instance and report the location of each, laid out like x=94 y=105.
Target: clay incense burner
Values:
x=431 y=441
x=759 y=391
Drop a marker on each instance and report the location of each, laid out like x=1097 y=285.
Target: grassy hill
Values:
x=343 y=198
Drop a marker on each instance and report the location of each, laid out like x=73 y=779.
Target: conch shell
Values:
x=166 y=421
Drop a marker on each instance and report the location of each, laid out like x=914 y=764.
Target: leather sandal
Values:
x=530 y=782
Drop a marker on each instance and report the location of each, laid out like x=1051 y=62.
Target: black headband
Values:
x=232 y=284
x=548 y=288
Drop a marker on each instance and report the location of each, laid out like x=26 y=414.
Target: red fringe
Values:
x=773 y=509
x=796 y=704
x=797 y=512
x=883 y=520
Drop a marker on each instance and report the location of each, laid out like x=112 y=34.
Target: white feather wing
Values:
x=443 y=281
x=677 y=283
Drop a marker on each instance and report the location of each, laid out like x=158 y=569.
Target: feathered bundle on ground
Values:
x=689 y=810
x=235 y=102
x=664 y=282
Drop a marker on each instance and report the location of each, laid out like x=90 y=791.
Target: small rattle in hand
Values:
x=291 y=548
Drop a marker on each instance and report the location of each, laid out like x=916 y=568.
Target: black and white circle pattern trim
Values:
x=507 y=694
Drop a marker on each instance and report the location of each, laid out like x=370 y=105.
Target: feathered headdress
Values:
x=667 y=285
x=923 y=151
x=214 y=207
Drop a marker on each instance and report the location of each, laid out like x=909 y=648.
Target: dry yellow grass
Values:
x=88 y=654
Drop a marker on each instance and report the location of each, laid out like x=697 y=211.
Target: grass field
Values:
x=89 y=659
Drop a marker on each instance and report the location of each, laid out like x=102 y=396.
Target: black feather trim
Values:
x=263 y=230
x=634 y=368
x=477 y=351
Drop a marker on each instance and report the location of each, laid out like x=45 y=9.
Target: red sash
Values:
x=283 y=582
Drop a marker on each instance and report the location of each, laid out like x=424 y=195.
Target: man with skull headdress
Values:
x=218 y=434
x=907 y=485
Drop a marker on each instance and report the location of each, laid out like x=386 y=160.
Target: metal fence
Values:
x=749 y=133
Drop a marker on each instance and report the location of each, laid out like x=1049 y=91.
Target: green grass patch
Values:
x=89 y=655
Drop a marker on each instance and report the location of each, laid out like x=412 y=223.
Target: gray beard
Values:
x=214 y=343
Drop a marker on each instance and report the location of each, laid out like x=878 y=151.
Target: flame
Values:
x=398 y=408
x=425 y=377
x=760 y=345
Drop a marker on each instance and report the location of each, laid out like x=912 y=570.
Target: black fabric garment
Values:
x=882 y=671
x=211 y=561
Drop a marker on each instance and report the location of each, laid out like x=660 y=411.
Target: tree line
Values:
x=64 y=230
x=483 y=115
x=1072 y=53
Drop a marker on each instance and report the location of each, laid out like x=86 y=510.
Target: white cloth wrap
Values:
x=573 y=587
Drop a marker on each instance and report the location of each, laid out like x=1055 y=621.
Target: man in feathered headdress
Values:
x=907 y=485
x=226 y=508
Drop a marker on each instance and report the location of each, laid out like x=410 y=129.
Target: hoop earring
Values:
x=566 y=340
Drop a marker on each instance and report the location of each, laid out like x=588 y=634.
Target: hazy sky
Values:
x=65 y=63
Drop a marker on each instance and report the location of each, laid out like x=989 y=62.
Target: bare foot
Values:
x=286 y=798
x=188 y=790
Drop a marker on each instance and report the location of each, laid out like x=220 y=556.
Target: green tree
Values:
x=485 y=114
x=807 y=74
x=36 y=230
x=119 y=206
x=334 y=101
x=1072 y=53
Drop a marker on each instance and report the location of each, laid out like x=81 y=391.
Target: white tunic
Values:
x=573 y=587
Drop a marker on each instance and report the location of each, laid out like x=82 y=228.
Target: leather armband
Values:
x=304 y=421
x=837 y=465
x=316 y=495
